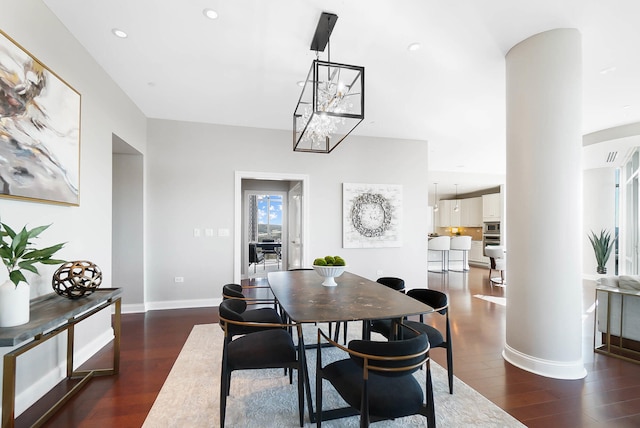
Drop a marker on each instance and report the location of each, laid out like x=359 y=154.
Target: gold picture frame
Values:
x=39 y=130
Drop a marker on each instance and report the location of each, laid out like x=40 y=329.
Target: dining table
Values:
x=304 y=299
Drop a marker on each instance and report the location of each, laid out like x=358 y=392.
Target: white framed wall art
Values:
x=372 y=215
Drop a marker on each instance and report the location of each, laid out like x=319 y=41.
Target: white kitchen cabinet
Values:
x=476 y=254
x=471 y=212
x=448 y=217
x=491 y=207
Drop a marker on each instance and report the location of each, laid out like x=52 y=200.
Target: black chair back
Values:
x=410 y=353
x=392 y=282
x=436 y=299
x=253 y=254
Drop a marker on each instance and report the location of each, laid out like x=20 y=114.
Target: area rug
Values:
x=264 y=398
x=502 y=301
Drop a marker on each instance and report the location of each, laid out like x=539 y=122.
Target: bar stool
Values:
x=442 y=244
x=498 y=262
x=462 y=243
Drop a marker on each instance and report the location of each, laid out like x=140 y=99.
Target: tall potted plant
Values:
x=18 y=254
x=602 y=245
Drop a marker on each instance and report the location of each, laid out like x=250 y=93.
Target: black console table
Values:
x=51 y=315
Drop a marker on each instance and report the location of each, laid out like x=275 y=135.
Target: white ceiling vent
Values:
x=612 y=157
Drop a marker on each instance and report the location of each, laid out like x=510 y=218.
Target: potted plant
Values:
x=602 y=245
x=18 y=254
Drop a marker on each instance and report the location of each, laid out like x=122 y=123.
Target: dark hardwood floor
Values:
x=608 y=397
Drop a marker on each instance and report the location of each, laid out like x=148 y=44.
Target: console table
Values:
x=51 y=315
x=612 y=321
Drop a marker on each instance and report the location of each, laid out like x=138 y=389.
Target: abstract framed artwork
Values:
x=39 y=130
x=372 y=215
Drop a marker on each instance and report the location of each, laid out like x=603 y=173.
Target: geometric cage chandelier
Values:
x=332 y=101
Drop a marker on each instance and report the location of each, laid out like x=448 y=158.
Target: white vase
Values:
x=14 y=304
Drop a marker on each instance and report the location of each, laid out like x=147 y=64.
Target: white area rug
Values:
x=264 y=398
x=493 y=299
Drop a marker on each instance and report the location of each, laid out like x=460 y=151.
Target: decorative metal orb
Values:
x=76 y=279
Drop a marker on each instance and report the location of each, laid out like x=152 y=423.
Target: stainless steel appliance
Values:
x=492 y=228
x=491 y=235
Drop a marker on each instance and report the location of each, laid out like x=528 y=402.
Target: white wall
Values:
x=87 y=228
x=191 y=169
x=599 y=213
x=128 y=228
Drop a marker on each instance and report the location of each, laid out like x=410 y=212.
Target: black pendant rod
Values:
x=323 y=31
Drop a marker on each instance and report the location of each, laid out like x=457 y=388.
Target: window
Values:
x=266 y=216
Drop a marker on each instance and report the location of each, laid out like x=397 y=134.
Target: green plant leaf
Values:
x=20 y=242
x=43 y=253
x=52 y=261
x=602 y=246
x=9 y=231
x=28 y=265
x=16 y=276
x=37 y=231
x=18 y=254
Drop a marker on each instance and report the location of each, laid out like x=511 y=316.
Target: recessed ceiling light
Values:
x=300 y=83
x=210 y=13
x=119 y=33
x=414 y=46
x=607 y=70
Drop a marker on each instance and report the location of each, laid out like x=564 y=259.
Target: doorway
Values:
x=294 y=229
x=265 y=228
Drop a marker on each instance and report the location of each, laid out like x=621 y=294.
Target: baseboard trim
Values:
x=182 y=304
x=568 y=370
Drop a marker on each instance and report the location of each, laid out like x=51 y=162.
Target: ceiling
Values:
x=242 y=69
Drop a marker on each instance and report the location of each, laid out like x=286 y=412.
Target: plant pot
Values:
x=329 y=273
x=601 y=270
x=14 y=304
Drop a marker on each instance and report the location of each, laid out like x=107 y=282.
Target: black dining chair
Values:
x=384 y=326
x=440 y=302
x=256 y=256
x=260 y=346
x=269 y=248
x=379 y=326
x=238 y=304
x=253 y=294
x=377 y=379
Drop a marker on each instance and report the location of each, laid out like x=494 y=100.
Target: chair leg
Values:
x=223 y=397
x=364 y=407
x=431 y=409
x=318 y=399
x=300 y=391
x=450 y=368
x=344 y=335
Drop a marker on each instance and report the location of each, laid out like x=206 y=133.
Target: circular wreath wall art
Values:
x=371 y=214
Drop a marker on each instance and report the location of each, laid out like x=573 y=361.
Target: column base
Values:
x=548 y=368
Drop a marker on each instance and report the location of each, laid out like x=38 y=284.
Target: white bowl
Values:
x=329 y=273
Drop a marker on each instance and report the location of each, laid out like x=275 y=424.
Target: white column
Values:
x=544 y=177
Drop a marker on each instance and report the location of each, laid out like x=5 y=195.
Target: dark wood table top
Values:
x=305 y=299
x=50 y=311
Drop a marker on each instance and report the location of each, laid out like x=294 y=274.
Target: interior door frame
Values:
x=238 y=214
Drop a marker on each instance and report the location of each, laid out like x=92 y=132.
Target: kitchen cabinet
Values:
x=492 y=207
x=471 y=212
x=448 y=216
x=476 y=254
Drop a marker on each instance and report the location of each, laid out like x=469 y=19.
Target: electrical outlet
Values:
x=196 y=233
x=178 y=279
x=208 y=233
